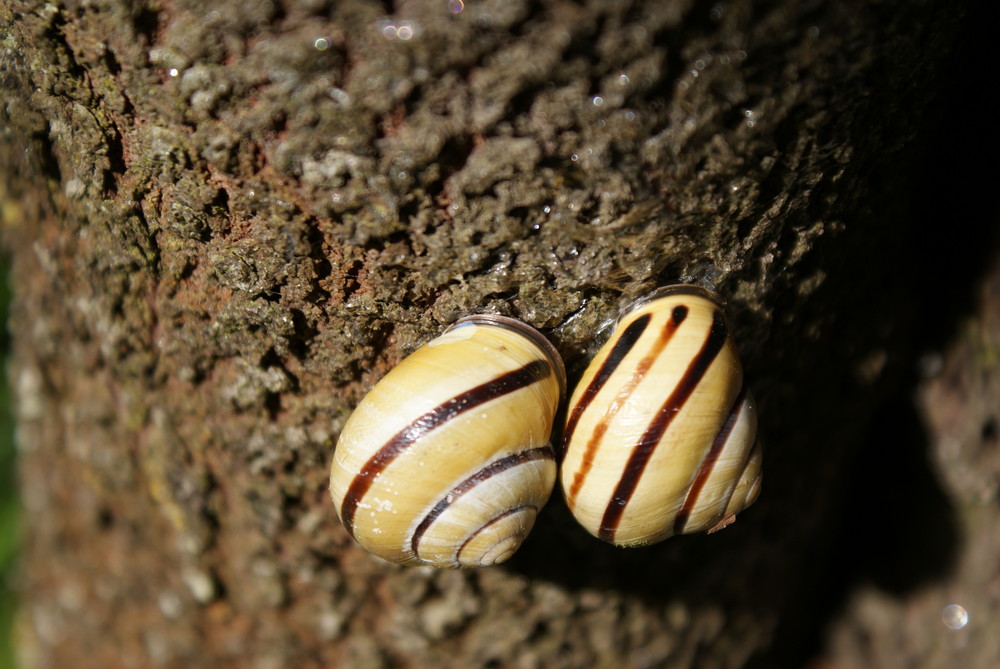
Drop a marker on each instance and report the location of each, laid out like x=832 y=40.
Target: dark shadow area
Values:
x=837 y=510
x=893 y=479
x=897 y=528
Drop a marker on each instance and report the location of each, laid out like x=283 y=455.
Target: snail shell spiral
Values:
x=660 y=435
x=447 y=460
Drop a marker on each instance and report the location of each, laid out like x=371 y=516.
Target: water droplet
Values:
x=406 y=30
x=597 y=100
x=403 y=30
x=623 y=79
x=954 y=617
x=322 y=43
x=456 y=6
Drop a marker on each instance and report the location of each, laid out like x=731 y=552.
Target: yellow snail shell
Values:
x=660 y=435
x=447 y=460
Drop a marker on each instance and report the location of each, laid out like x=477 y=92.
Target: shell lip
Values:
x=675 y=289
x=531 y=333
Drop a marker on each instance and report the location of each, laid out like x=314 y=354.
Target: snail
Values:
x=447 y=460
x=660 y=435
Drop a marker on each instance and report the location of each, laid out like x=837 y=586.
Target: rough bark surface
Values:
x=227 y=220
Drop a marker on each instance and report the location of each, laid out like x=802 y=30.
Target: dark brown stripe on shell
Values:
x=530 y=373
x=638 y=373
x=608 y=367
x=493 y=521
x=708 y=464
x=489 y=471
x=643 y=450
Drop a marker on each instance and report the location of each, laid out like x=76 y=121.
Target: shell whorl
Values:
x=660 y=437
x=446 y=461
x=455 y=531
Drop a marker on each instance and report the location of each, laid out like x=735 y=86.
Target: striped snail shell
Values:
x=447 y=460
x=660 y=435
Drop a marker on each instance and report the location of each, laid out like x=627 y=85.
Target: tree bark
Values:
x=227 y=221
